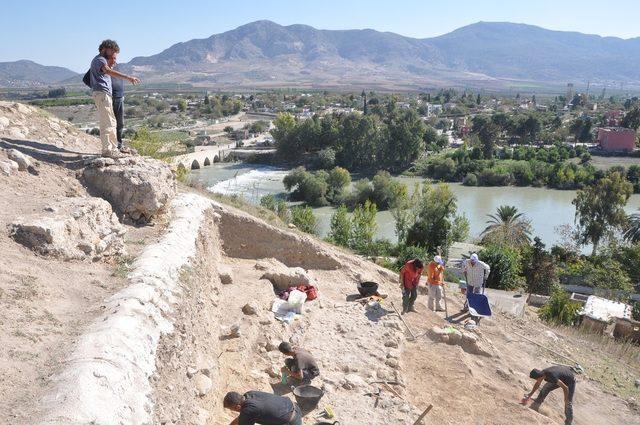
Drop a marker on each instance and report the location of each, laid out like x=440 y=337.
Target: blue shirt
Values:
x=117 y=86
x=99 y=80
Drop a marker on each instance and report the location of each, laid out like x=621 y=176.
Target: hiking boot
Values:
x=125 y=150
x=404 y=311
x=413 y=310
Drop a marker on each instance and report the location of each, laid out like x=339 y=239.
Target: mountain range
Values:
x=484 y=54
x=26 y=73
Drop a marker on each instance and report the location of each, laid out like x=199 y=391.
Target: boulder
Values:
x=137 y=187
x=23 y=161
x=250 y=309
x=226 y=274
x=8 y=166
x=203 y=384
x=73 y=228
x=281 y=276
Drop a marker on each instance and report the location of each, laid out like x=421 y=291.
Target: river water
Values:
x=546 y=208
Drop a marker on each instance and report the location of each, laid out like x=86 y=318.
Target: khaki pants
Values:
x=435 y=294
x=107 y=120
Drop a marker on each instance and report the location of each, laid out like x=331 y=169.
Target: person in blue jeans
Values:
x=117 y=98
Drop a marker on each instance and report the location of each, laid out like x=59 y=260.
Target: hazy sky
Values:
x=67 y=33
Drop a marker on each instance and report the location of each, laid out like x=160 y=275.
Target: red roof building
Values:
x=616 y=139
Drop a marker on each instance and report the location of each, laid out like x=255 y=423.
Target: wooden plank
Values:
x=401 y=318
x=427 y=410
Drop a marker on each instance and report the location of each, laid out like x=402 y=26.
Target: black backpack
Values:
x=87 y=79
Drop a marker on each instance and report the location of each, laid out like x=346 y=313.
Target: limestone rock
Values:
x=203 y=384
x=73 y=228
x=250 y=308
x=226 y=274
x=8 y=166
x=352 y=382
x=23 y=161
x=229 y=332
x=281 y=276
x=137 y=187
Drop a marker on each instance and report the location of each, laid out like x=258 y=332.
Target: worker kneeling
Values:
x=301 y=365
x=555 y=377
x=256 y=407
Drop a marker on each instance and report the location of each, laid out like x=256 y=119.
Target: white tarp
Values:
x=604 y=309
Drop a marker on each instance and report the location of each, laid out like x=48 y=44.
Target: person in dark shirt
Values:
x=117 y=98
x=301 y=366
x=555 y=377
x=256 y=407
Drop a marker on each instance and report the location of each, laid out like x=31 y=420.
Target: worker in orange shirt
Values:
x=435 y=280
x=409 y=279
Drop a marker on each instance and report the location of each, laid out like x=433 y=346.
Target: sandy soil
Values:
x=45 y=303
x=350 y=343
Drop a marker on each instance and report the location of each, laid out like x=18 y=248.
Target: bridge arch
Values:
x=207 y=162
x=216 y=158
x=195 y=165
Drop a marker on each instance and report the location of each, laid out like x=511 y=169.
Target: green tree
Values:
x=269 y=202
x=600 y=208
x=364 y=227
x=327 y=158
x=404 y=138
x=337 y=180
x=505 y=266
x=460 y=229
x=434 y=210
x=206 y=99
x=632 y=229
x=539 y=269
x=303 y=219
x=507 y=227
x=487 y=131
x=632 y=119
x=283 y=134
x=341 y=227
x=182 y=105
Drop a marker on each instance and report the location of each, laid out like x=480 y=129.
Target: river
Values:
x=546 y=208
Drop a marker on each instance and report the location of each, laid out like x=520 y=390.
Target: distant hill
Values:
x=264 y=53
x=26 y=73
x=484 y=54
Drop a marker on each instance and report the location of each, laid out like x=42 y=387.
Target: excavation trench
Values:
x=235 y=264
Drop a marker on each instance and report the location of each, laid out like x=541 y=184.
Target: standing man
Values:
x=100 y=80
x=409 y=279
x=476 y=273
x=301 y=366
x=435 y=280
x=256 y=407
x=117 y=88
x=556 y=377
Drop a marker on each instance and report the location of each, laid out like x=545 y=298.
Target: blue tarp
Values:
x=478 y=305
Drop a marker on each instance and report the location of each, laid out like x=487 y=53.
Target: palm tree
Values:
x=507 y=227
x=632 y=231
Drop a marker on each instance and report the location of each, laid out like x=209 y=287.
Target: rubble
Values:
x=137 y=187
x=72 y=229
x=281 y=276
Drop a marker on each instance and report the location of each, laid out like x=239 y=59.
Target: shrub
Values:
x=147 y=143
x=326 y=158
x=181 y=173
x=364 y=227
x=505 y=267
x=560 y=309
x=304 y=219
x=470 y=180
x=269 y=202
x=341 y=227
x=409 y=252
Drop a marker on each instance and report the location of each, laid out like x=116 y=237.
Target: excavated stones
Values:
x=137 y=187
x=281 y=276
x=73 y=228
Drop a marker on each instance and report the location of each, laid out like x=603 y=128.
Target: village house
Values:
x=616 y=139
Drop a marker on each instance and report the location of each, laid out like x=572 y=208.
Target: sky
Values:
x=67 y=33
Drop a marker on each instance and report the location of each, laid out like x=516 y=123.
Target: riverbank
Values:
x=546 y=208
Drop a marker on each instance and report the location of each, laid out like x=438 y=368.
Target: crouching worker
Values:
x=555 y=377
x=301 y=365
x=256 y=407
x=409 y=280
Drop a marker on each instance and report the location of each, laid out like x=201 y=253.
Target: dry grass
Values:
x=614 y=364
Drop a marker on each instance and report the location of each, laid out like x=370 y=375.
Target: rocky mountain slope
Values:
x=265 y=53
x=26 y=73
